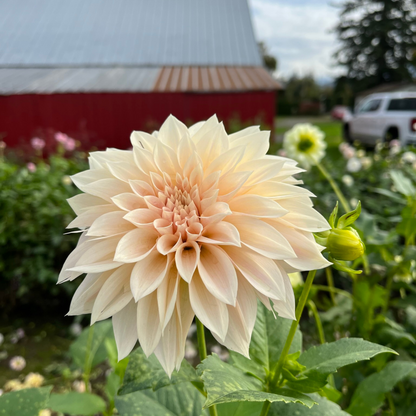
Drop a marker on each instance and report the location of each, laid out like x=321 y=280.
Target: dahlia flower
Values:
x=305 y=143
x=191 y=221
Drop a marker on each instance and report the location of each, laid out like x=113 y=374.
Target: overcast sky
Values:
x=298 y=33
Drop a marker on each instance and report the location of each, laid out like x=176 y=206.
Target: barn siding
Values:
x=107 y=119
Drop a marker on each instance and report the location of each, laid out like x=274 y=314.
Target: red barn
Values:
x=98 y=69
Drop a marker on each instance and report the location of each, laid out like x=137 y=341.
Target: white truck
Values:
x=383 y=116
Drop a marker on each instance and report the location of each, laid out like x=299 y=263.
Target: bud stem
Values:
x=202 y=348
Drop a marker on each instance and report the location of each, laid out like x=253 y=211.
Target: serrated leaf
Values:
x=97 y=350
x=225 y=383
x=369 y=394
x=322 y=360
x=175 y=400
x=143 y=373
x=350 y=217
x=324 y=407
x=26 y=402
x=73 y=403
x=267 y=341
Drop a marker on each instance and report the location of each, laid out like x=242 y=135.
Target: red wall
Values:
x=106 y=120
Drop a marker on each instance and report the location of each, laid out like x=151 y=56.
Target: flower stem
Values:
x=87 y=364
x=202 y=348
x=292 y=331
x=301 y=305
x=330 y=281
x=335 y=187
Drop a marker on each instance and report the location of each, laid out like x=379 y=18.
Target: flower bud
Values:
x=345 y=244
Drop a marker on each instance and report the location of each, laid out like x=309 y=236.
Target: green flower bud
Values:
x=345 y=244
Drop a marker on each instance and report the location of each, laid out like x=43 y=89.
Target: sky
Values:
x=298 y=34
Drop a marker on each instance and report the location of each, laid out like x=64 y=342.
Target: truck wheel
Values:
x=346 y=133
x=392 y=133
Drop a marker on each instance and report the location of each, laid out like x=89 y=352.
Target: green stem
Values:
x=331 y=285
x=292 y=331
x=314 y=310
x=265 y=409
x=321 y=333
x=87 y=364
x=391 y=404
x=388 y=293
x=202 y=348
x=301 y=305
x=335 y=187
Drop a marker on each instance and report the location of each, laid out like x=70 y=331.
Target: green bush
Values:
x=33 y=217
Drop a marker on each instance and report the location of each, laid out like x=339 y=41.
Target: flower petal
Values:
x=262 y=273
x=256 y=206
x=129 y=201
x=210 y=311
x=136 y=245
x=218 y=273
x=166 y=296
x=261 y=237
x=222 y=233
x=125 y=329
x=148 y=274
x=186 y=259
x=148 y=323
x=168 y=243
x=110 y=224
x=142 y=217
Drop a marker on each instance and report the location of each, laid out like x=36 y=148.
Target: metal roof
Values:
x=173 y=79
x=139 y=79
x=82 y=33
x=69 y=80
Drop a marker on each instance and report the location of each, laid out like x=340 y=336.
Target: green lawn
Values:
x=331 y=128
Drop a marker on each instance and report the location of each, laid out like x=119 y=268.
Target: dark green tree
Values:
x=378 y=41
x=269 y=61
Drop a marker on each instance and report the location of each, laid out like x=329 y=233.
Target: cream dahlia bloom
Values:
x=305 y=143
x=189 y=222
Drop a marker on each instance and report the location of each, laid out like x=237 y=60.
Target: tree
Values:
x=269 y=61
x=378 y=41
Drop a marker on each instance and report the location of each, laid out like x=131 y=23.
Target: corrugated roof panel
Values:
x=204 y=79
x=126 y=32
x=70 y=80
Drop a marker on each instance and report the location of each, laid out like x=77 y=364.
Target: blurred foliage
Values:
x=33 y=217
x=377 y=41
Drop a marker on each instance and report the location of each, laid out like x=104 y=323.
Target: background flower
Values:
x=17 y=363
x=37 y=144
x=191 y=222
x=305 y=143
x=354 y=165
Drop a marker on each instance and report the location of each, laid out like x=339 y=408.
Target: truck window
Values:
x=402 y=104
x=372 y=105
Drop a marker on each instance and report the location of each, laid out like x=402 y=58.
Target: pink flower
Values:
x=37 y=144
x=31 y=167
x=70 y=144
x=61 y=137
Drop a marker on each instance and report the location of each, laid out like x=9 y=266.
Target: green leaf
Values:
x=74 y=403
x=324 y=407
x=26 y=402
x=143 y=373
x=322 y=360
x=239 y=409
x=112 y=385
x=333 y=217
x=225 y=383
x=369 y=395
x=267 y=341
x=350 y=217
x=97 y=350
x=175 y=400
x=402 y=184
